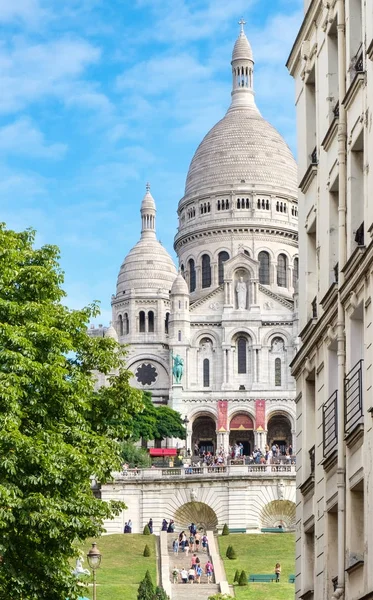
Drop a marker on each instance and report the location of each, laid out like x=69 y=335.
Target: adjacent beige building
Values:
x=332 y=64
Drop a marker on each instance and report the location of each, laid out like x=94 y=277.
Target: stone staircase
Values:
x=186 y=591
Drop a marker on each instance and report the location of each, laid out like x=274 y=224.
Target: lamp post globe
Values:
x=94 y=561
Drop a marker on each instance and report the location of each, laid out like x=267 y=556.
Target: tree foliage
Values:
x=57 y=430
x=243 y=579
x=156 y=422
x=146 y=552
x=225 y=530
x=134 y=456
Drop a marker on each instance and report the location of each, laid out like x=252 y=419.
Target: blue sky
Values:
x=100 y=96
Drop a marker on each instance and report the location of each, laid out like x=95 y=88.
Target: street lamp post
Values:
x=186 y=421
x=94 y=561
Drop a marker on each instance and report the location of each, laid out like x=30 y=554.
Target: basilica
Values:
x=213 y=337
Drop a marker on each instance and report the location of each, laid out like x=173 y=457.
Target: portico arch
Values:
x=279 y=513
x=199 y=513
x=241 y=431
x=279 y=431
x=204 y=433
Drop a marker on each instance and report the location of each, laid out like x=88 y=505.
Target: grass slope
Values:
x=123 y=565
x=259 y=554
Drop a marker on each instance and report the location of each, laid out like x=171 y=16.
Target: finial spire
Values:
x=242 y=22
x=148 y=214
x=148 y=186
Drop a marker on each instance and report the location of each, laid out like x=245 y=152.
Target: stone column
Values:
x=294 y=440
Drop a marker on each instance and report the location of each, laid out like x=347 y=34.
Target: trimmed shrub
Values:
x=146 y=530
x=243 y=578
x=160 y=594
x=146 y=588
x=231 y=553
x=236 y=576
x=146 y=550
x=225 y=530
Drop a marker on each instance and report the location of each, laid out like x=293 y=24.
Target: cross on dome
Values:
x=242 y=22
x=148 y=187
x=148 y=211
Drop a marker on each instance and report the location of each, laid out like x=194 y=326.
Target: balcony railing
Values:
x=354 y=398
x=329 y=424
x=359 y=63
x=359 y=235
x=336 y=110
x=314 y=157
x=314 y=307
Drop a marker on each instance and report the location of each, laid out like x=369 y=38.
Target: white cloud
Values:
x=32 y=71
x=23 y=138
x=26 y=11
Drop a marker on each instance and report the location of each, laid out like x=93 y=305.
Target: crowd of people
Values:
x=271 y=455
x=194 y=573
x=192 y=541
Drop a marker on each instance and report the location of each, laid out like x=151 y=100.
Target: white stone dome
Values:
x=242 y=148
x=147 y=266
x=242 y=48
x=111 y=333
x=179 y=286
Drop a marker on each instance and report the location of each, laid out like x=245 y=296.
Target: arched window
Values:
x=222 y=258
x=151 y=321
x=263 y=268
x=120 y=325
x=192 y=275
x=281 y=270
x=241 y=355
x=166 y=322
x=179 y=336
x=142 y=321
x=295 y=273
x=126 y=324
x=278 y=371
x=206 y=372
x=239 y=203
x=206 y=271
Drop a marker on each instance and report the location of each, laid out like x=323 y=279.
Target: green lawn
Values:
x=259 y=554
x=123 y=565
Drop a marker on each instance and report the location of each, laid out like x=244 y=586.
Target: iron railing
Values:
x=359 y=235
x=359 y=64
x=314 y=307
x=354 y=397
x=336 y=110
x=329 y=424
x=314 y=157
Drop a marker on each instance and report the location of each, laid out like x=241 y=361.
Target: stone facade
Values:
x=229 y=314
x=332 y=64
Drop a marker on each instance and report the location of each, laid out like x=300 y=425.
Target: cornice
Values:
x=330 y=134
x=183 y=239
x=310 y=17
x=211 y=294
x=308 y=177
x=357 y=82
x=284 y=301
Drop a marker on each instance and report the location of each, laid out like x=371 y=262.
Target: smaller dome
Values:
x=242 y=49
x=148 y=200
x=179 y=286
x=111 y=333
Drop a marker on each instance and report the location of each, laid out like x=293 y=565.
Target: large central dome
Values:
x=242 y=148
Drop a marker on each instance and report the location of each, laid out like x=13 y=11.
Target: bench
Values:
x=263 y=577
x=291 y=578
x=238 y=530
x=272 y=530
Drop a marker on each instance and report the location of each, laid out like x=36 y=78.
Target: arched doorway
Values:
x=204 y=434
x=279 y=432
x=241 y=431
x=198 y=513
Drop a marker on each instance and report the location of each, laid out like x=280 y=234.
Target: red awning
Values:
x=162 y=451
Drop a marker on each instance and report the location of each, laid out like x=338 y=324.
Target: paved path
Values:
x=187 y=591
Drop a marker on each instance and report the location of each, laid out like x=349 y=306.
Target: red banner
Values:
x=223 y=415
x=260 y=414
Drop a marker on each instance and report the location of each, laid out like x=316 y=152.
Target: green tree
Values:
x=156 y=422
x=134 y=456
x=243 y=579
x=146 y=530
x=225 y=530
x=231 y=553
x=146 y=552
x=160 y=594
x=236 y=576
x=57 y=430
x=146 y=588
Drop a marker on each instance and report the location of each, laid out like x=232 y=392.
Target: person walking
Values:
x=198 y=572
x=150 y=525
x=175 y=546
x=277 y=572
x=175 y=574
x=191 y=575
x=205 y=541
x=186 y=547
x=208 y=570
x=191 y=542
x=197 y=539
x=184 y=575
